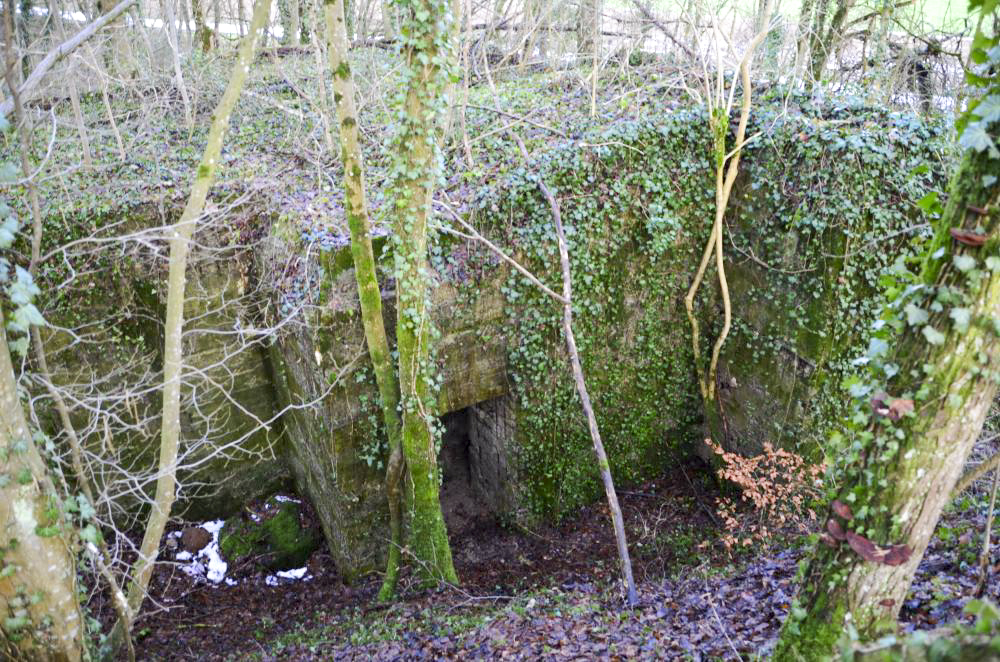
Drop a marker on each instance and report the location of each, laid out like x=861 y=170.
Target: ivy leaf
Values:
x=961 y=317
x=989 y=108
x=28 y=315
x=915 y=315
x=8 y=231
x=976 y=138
x=929 y=202
x=877 y=347
x=964 y=263
x=87 y=511
x=19 y=346
x=932 y=335
x=90 y=534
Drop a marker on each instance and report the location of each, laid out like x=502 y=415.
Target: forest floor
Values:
x=548 y=594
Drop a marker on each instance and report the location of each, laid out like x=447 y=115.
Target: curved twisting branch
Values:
x=726 y=170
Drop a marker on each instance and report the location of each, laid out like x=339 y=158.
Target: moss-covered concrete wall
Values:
x=824 y=205
x=105 y=346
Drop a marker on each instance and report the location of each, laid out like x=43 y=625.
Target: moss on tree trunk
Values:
x=417 y=170
x=369 y=293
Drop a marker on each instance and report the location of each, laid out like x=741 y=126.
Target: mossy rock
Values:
x=273 y=535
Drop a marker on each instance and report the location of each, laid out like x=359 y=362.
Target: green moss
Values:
x=817 y=638
x=276 y=539
x=290 y=545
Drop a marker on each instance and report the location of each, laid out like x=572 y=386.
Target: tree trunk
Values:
x=36 y=557
x=604 y=466
x=294 y=23
x=388 y=20
x=826 y=41
x=202 y=33
x=368 y=289
x=33 y=547
x=173 y=40
x=173 y=361
x=903 y=475
x=588 y=30
x=417 y=171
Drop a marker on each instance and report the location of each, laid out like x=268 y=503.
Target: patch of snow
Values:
x=297 y=573
x=214 y=527
x=285 y=499
x=208 y=564
x=294 y=575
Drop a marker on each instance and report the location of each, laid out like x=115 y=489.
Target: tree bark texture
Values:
x=426 y=34
x=36 y=558
x=588 y=30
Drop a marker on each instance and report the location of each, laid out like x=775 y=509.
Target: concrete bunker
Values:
x=476 y=482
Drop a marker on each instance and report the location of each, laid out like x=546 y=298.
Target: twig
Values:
x=649 y=16
x=61 y=51
x=474 y=234
x=984 y=558
x=519 y=118
x=697 y=496
x=978 y=471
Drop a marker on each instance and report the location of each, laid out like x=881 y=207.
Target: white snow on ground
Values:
x=288 y=499
x=289 y=575
x=209 y=565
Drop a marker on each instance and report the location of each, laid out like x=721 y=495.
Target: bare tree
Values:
x=173 y=327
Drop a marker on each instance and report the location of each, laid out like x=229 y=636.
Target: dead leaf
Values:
x=898 y=555
x=864 y=547
x=967 y=237
x=899 y=408
x=880 y=403
x=869 y=551
x=842 y=509
x=835 y=529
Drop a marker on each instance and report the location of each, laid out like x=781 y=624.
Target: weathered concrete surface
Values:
x=322 y=374
x=231 y=441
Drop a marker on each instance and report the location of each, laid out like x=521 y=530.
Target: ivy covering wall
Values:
x=826 y=202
